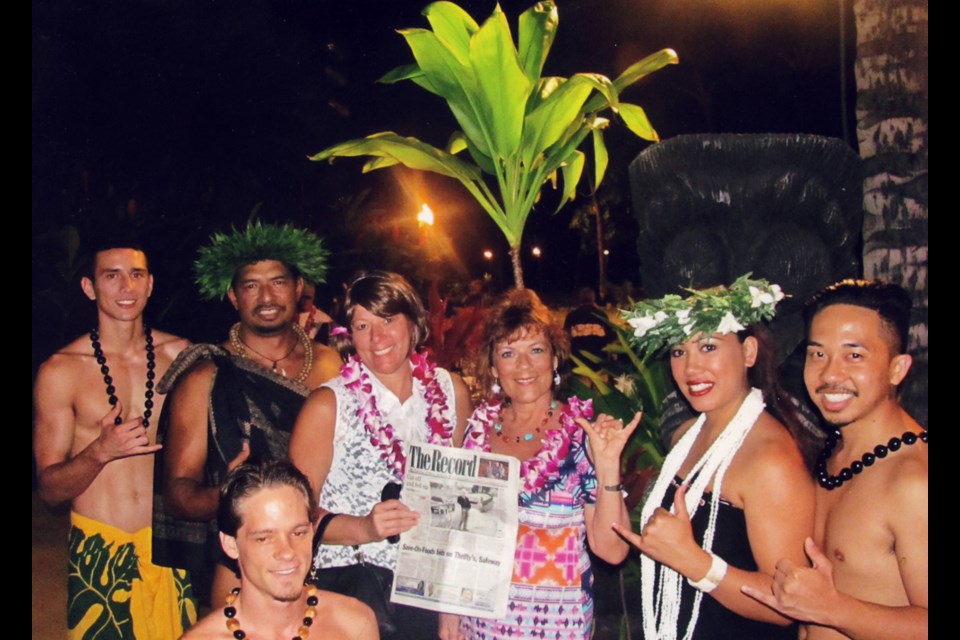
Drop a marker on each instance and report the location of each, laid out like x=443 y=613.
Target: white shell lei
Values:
x=661 y=619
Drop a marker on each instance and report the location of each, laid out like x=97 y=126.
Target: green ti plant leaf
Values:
x=519 y=127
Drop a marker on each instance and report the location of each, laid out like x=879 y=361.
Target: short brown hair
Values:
x=384 y=294
x=517 y=312
x=249 y=478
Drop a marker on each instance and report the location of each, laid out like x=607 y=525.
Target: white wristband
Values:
x=715 y=574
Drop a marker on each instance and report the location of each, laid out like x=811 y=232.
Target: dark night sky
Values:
x=185 y=116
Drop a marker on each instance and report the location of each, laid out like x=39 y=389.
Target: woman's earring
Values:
x=556 y=378
x=495 y=388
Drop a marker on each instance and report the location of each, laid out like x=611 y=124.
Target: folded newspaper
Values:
x=459 y=558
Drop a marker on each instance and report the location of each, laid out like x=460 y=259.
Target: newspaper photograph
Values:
x=459 y=558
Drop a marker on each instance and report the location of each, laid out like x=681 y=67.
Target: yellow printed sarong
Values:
x=114 y=591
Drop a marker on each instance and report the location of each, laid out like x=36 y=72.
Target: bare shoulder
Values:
x=901 y=476
x=331 y=603
x=906 y=480
x=318 y=414
x=346 y=618
x=64 y=366
x=168 y=344
x=70 y=356
x=770 y=462
x=321 y=403
x=79 y=347
x=324 y=352
x=770 y=444
x=58 y=385
x=907 y=515
x=59 y=367
x=327 y=364
x=210 y=627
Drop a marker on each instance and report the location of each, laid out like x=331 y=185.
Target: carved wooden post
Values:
x=892 y=83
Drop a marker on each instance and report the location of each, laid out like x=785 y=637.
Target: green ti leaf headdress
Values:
x=673 y=319
x=219 y=262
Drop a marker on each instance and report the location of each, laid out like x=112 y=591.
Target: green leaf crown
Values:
x=673 y=319
x=219 y=262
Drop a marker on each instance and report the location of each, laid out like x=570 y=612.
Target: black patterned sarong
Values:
x=247 y=402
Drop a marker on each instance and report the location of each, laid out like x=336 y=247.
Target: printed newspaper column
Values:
x=459 y=558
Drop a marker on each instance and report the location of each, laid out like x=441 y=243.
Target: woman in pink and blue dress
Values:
x=570 y=492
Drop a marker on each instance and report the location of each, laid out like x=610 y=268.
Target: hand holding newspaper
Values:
x=459 y=559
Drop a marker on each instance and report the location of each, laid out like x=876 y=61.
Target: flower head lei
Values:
x=672 y=319
x=382 y=435
x=542 y=470
x=219 y=262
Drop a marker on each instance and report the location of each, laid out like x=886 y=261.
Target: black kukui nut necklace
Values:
x=831 y=482
x=108 y=380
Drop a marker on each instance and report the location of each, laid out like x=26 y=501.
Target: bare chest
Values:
x=125 y=381
x=852 y=528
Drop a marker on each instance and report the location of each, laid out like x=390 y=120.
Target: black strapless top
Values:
x=730 y=542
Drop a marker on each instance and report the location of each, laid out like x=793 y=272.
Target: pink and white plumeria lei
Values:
x=382 y=435
x=543 y=469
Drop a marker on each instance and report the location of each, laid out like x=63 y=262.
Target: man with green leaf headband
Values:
x=236 y=400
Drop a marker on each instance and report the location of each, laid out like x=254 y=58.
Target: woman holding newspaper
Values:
x=349 y=436
x=570 y=492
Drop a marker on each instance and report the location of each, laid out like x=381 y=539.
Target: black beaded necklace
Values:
x=831 y=482
x=233 y=625
x=108 y=380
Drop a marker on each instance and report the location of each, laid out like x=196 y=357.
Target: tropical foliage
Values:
x=520 y=128
x=454 y=336
x=620 y=385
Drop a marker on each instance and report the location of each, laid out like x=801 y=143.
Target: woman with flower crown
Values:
x=570 y=492
x=734 y=494
x=349 y=437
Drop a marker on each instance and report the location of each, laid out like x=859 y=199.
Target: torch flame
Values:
x=426 y=215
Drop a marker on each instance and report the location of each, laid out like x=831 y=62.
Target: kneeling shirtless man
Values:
x=265 y=525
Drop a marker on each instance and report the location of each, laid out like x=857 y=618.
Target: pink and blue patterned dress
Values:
x=551 y=594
